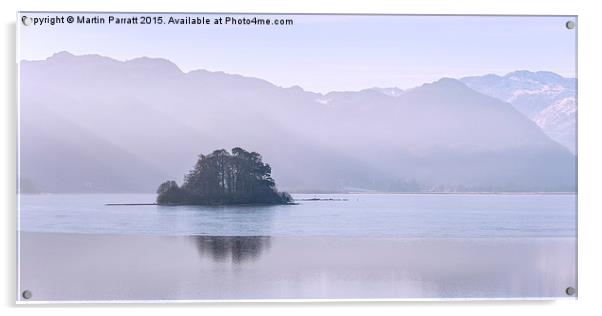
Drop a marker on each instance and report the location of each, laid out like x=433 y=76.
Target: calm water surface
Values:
x=360 y=215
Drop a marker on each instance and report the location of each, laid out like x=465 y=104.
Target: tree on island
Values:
x=222 y=178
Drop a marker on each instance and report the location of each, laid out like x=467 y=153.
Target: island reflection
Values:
x=236 y=249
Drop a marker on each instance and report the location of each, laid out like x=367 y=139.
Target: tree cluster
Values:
x=222 y=178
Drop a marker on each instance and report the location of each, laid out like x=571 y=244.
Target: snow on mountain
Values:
x=537 y=95
x=559 y=120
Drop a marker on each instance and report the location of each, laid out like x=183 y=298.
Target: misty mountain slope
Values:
x=59 y=156
x=443 y=114
x=171 y=129
x=441 y=136
x=447 y=133
x=538 y=95
x=112 y=100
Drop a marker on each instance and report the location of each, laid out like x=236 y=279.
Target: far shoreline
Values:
x=458 y=193
x=296 y=201
x=329 y=193
x=183 y=204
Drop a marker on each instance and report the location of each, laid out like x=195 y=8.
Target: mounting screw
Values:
x=570 y=25
x=570 y=291
x=26 y=294
x=26 y=20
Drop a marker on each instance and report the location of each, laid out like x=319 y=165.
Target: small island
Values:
x=224 y=178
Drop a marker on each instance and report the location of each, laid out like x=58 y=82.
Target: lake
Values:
x=360 y=215
x=369 y=246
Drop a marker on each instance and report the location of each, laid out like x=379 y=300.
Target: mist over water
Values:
x=137 y=123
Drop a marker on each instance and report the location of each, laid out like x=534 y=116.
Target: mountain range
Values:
x=546 y=98
x=95 y=124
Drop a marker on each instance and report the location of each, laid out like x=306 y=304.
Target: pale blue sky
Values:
x=324 y=53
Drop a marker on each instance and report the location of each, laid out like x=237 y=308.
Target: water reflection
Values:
x=217 y=220
x=236 y=249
